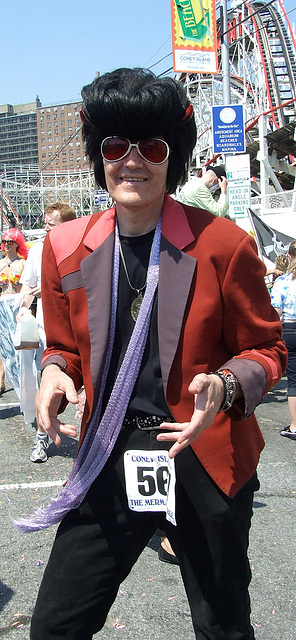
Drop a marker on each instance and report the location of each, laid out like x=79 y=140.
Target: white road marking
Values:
x=9 y=404
x=31 y=485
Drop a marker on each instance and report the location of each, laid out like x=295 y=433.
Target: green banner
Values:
x=192 y=30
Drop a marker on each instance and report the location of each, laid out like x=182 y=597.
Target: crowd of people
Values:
x=150 y=307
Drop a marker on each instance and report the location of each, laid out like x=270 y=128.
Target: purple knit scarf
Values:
x=100 y=439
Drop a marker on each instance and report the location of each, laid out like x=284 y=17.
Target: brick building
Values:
x=60 y=142
x=46 y=137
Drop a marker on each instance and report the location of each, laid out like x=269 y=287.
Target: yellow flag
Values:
x=194 y=35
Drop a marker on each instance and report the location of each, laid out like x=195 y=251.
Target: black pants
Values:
x=97 y=545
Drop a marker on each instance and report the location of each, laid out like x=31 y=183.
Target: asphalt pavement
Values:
x=151 y=603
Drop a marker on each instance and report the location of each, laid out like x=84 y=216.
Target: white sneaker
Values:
x=39 y=451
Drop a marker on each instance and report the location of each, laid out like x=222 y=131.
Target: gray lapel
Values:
x=96 y=272
x=175 y=277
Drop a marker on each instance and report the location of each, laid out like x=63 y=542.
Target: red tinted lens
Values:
x=153 y=150
x=114 y=148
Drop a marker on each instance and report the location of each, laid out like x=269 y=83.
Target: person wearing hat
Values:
x=197 y=191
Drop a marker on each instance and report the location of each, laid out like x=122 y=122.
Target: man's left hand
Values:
x=208 y=391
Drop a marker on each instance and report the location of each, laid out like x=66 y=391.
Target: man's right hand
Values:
x=54 y=385
x=223 y=184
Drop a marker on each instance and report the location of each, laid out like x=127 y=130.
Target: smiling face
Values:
x=10 y=247
x=137 y=187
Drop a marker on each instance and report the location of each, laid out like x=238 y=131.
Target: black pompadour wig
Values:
x=134 y=103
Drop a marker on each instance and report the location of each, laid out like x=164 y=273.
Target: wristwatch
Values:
x=230 y=386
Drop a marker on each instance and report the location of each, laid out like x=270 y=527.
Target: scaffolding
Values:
x=29 y=191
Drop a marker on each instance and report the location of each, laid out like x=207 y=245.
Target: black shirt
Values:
x=147 y=397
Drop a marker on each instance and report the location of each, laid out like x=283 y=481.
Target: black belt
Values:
x=146 y=423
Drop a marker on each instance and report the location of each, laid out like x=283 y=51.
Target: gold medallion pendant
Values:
x=136 y=306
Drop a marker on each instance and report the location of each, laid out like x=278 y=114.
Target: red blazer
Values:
x=213 y=306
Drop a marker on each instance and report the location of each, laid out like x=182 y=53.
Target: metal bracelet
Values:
x=230 y=387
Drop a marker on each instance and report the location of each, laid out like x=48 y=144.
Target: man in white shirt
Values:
x=31 y=288
x=197 y=191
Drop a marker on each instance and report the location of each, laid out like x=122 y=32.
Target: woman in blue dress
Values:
x=14 y=251
x=283 y=298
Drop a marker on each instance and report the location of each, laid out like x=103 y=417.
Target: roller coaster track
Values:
x=277 y=56
x=262 y=54
x=9 y=214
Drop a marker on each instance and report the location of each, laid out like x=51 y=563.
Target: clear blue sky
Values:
x=52 y=49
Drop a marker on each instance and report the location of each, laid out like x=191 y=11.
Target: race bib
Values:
x=150 y=481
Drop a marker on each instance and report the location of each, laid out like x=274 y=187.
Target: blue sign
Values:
x=228 y=129
x=101 y=197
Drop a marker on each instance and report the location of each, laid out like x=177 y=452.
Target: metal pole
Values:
x=225 y=53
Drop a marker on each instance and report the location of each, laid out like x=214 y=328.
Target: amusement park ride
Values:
x=262 y=55
x=262 y=59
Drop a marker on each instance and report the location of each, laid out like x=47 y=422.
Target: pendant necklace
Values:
x=136 y=304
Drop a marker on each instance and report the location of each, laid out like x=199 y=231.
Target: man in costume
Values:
x=161 y=311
